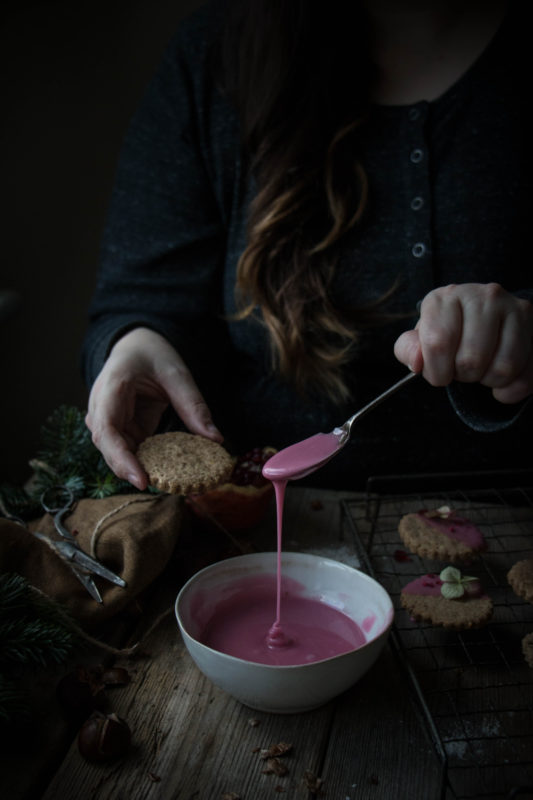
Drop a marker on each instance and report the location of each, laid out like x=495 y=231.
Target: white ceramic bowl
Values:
x=286 y=689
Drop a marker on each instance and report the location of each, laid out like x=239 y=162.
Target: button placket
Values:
x=419 y=230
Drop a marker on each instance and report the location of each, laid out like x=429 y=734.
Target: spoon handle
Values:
x=346 y=428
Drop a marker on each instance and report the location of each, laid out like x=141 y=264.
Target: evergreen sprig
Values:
x=65 y=456
x=34 y=631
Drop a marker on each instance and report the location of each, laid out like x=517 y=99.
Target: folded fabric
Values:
x=133 y=535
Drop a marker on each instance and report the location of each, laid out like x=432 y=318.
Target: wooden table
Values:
x=192 y=740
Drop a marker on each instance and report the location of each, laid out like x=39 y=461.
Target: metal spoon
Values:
x=302 y=458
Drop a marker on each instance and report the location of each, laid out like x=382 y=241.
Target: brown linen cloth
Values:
x=135 y=541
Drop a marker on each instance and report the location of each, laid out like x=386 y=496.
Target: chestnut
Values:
x=116 y=676
x=104 y=737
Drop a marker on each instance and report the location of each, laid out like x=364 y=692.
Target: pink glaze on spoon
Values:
x=302 y=458
x=305 y=457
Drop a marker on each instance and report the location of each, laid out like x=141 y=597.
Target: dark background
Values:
x=71 y=75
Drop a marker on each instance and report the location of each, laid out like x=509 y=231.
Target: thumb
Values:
x=408 y=351
x=189 y=404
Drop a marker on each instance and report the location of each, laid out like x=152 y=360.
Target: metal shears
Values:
x=58 y=500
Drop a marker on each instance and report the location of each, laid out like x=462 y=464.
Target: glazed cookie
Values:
x=527 y=648
x=181 y=463
x=441 y=534
x=520 y=577
x=450 y=599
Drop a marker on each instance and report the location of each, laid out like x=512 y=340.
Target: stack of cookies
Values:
x=451 y=599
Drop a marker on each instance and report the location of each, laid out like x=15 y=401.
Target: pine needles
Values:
x=34 y=632
x=65 y=456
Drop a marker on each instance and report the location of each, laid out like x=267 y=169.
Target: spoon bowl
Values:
x=305 y=457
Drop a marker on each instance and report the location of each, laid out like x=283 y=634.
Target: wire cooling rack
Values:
x=474 y=688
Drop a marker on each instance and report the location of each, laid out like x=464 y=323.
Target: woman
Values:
x=296 y=181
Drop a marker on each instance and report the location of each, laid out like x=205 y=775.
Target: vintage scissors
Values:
x=58 y=500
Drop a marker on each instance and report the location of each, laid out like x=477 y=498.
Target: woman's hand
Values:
x=141 y=376
x=473 y=332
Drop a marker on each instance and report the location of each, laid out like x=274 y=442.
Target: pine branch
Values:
x=66 y=456
x=17 y=502
x=33 y=629
x=64 y=439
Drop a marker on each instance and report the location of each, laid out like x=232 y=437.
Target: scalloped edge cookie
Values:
x=422 y=537
x=181 y=463
x=460 y=613
x=520 y=578
x=527 y=648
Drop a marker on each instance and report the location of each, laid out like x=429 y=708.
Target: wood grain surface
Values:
x=192 y=740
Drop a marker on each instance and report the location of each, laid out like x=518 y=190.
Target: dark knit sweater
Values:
x=449 y=203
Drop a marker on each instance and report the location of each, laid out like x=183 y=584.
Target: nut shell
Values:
x=104 y=737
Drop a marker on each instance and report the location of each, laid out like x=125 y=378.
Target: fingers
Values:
x=473 y=333
x=513 y=350
x=439 y=330
x=118 y=455
x=106 y=421
x=408 y=351
x=187 y=400
x=519 y=388
x=478 y=339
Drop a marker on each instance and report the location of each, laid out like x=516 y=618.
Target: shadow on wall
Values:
x=71 y=76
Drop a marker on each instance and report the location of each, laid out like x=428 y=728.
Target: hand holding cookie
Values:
x=141 y=377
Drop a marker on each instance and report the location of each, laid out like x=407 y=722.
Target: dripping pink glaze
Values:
x=458 y=528
x=292 y=462
x=311 y=630
x=276 y=636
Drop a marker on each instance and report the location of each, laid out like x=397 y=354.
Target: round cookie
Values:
x=441 y=534
x=527 y=648
x=181 y=463
x=520 y=577
x=449 y=599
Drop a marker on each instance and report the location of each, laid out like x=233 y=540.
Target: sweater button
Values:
x=417 y=203
x=416 y=155
x=413 y=114
x=418 y=249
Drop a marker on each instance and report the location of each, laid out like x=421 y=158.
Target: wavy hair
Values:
x=298 y=73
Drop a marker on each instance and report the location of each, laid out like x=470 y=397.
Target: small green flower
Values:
x=453 y=583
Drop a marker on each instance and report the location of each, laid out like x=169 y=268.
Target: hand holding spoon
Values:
x=303 y=458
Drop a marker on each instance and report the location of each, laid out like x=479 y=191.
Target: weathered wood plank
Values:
x=378 y=745
x=191 y=739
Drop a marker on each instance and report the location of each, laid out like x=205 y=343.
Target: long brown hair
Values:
x=298 y=73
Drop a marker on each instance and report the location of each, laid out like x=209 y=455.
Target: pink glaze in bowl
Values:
x=293 y=688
